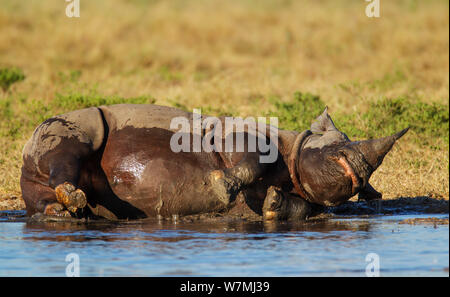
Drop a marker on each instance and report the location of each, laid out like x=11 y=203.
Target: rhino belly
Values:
x=142 y=170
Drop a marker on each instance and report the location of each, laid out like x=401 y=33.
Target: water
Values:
x=336 y=247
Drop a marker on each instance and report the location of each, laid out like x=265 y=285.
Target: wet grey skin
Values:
x=115 y=162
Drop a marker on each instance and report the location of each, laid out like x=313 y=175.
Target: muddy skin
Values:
x=115 y=162
x=225 y=186
x=332 y=172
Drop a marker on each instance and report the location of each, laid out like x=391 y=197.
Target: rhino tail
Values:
x=323 y=123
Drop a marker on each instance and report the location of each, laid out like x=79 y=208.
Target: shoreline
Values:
x=395 y=205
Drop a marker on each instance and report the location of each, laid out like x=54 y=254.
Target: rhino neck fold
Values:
x=286 y=141
x=293 y=161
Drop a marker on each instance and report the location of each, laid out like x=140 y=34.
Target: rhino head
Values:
x=329 y=168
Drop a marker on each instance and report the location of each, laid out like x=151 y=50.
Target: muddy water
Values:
x=332 y=247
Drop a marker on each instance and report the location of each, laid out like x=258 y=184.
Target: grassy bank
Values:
x=281 y=58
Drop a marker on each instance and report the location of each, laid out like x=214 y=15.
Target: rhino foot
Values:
x=225 y=187
x=279 y=205
x=71 y=197
x=272 y=204
x=57 y=210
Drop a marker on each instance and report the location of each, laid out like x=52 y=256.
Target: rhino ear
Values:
x=323 y=123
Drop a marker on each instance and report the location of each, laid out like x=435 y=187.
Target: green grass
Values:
x=171 y=76
x=428 y=122
x=298 y=113
x=10 y=76
x=20 y=116
x=227 y=111
x=386 y=116
x=69 y=77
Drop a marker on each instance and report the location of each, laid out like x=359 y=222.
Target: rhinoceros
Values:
x=116 y=162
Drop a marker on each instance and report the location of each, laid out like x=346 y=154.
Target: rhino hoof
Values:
x=57 y=210
x=71 y=197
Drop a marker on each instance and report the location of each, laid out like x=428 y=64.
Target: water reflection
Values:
x=222 y=247
x=153 y=230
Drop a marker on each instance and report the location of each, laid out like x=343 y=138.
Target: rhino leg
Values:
x=40 y=198
x=53 y=158
x=64 y=164
x=228 y=182
x=279 y=205
x=225 y=186
x=57 y=195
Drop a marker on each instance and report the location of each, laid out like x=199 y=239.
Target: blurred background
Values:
x=280 y=58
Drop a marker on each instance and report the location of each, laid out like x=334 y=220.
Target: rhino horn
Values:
x=374 y=150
